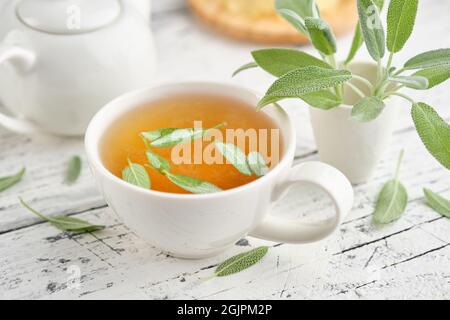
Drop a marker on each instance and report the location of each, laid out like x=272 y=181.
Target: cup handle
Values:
x=23 y=60
x=329 y=179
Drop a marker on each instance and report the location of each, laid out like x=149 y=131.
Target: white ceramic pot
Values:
x=197 y=226
x=355 y=148
x=62 y=60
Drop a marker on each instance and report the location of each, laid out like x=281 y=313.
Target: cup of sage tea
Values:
x=194 y=167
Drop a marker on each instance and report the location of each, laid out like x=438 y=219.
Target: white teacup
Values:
x=199 y=226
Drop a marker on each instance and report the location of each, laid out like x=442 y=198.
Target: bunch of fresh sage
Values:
x=136 y=174
x=320 y=82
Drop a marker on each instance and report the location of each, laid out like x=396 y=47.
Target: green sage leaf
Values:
x=157 y=162
x=437 y=202
x=278 y=62
x=434 y=132
x=368 y=109
x=241 y=262
x=400 y=23
x=9 y=181
x=323 y=99
x=250 y=65
x=321 y=35
x=136 y=175
x=392 y=199
x=357 y=42
x=235 y=156
x=429 y=59
x=64 y=223
x=435 y=75
x=372 y=28
x=302 y=81
x=73 y=170
x=413 y=82
x=169 y=137
x=295 y=12
x=193 y=185
x=257 y=164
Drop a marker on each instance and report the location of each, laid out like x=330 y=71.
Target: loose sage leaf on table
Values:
x=429 y=59
x=250 y=65
x=63 y=223
x=240 y=262
x=278 y=62
x=392 y=199
x=295 y=12
x=303 y=81
x=437 y=202
x=435 y=75
x=434 y=132
x=157 y=162
x=372 y=29
x=9 y=181
x=73 y=170
x=235 y=156
x=400 y=23
x=257 y=164
x=321 y=35
x=193 y=185
x=413 y=82
x=136 y=175
x=368 y=109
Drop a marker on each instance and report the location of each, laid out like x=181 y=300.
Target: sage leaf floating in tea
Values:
x=392 y=200
x=73 y=170
x=240 y=262
x=64 y=223
x=434 y=132
x=157 y=162
x=170 y=137
x=257 y=164
x=437 y=202
x=9 y=181
x=235 y=156
x=193 y=185
x=136 y=175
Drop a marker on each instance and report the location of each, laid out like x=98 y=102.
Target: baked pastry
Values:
x=257 y=20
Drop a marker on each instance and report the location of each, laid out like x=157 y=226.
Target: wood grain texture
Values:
x=407 y=259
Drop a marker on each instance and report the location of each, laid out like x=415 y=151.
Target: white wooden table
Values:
x=407 y=259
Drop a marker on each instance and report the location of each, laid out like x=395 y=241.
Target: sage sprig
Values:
x=193 y=185
x=64 y=223
x=73 y=170
x=437 y=202
x=9 y=181
x=321 y=82
x=392 y=199
x=240 y=262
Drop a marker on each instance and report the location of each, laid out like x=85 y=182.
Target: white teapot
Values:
x=62 y=60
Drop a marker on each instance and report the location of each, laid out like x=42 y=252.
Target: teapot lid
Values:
x=68 y=16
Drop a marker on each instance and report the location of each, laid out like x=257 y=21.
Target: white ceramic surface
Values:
x=198 y=226
x=55 y=81
x=355 y=148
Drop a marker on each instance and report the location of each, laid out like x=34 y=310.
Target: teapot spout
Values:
x=142 y=6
